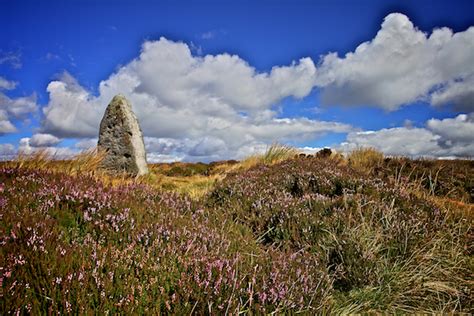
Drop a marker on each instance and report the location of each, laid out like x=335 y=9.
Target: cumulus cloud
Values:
x=39 y=142
x=18 y=107
x=5 y=125
x=460 y=93
x=86 y=144
x=164 y=146
x=71 y=111
x=217 y=106
x=7 y=151
x=400 y=65
x=451 y=137
x=44 y=140
x=7 y=84
x=398 y=141
x=208 y=146
x=458 y=131
x=191 y=101
x=13 y=108
x=309 y=150
x=26 y=147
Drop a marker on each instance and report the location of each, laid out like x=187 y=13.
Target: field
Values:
x=280 y=233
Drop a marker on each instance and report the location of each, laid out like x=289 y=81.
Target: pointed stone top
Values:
x=120 y=98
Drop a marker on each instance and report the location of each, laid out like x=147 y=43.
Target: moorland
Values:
x=278 y=232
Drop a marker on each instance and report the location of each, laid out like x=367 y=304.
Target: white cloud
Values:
x=208 y=35
x=5 y=125
x=164 y=146
x=7 y=151
x=458 y=93
x=399 y=66
x=51 y=57
x=71 y=111
x=168 y=71
x=398 y=141
x=191 y=101
x=44 y=140
x=309 y=150
x=441 y=138
x=18 y=107
x=155 y=158
x=14 y=108
x=454 y=131
x=86 y=144
x=209 y=146
x=213 y=34
x=11 y=58
x=7 y=84
x=188 y=104
x=26 y=147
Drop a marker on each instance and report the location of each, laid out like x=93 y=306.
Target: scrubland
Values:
x=280 y=232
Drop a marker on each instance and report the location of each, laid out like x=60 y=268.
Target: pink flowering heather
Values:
x=306 y=235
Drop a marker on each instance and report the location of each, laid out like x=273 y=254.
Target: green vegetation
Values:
x=273 y=233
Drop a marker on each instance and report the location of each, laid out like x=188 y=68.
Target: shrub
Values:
x=374 y=238
x=73 y=245
x=307 y=235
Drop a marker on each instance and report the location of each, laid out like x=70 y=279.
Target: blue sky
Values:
x=199 y=75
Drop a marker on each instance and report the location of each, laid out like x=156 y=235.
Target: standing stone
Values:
x=121 y=138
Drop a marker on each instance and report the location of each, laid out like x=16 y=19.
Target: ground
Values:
x=279 y=232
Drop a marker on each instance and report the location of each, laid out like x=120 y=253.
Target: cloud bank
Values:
x=218 y=106
x=402 y=65
x=211 y=107
x=446 y=138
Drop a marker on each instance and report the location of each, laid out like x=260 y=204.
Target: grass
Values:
x=275 y=153
x=86 y=162
x=197 y=179
x=272 y=234
x=365 y=159
x=194 y=186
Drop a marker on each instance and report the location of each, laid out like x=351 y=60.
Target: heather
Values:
x=311 y=235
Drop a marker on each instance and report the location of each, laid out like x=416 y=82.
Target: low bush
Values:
x=310 y=235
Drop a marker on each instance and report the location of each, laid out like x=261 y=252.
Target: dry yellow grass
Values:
x=85 y=162
x=194 y=186
x=89 y=163
x=463 y=209
x=197 y=185
x=365 y=159
x=274 y=154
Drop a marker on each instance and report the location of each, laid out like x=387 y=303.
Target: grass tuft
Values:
x=277 y=153
x=365 y=159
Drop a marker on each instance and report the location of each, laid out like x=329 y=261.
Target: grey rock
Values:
x=121 y=138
